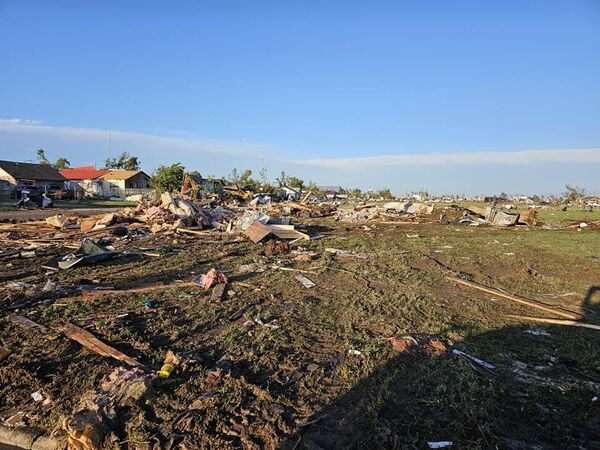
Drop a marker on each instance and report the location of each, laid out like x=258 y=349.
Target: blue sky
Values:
x=461 y=96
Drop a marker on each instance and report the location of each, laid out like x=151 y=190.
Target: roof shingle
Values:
x=30 y=171
x=83 y=173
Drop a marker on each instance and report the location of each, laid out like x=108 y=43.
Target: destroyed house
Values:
x=16 y=175
x=122 y=183
x=86 y=180
x=330 y=190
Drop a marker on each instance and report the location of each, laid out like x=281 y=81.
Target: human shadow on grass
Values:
x=542 y=393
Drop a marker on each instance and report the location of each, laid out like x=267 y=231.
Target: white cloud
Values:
x=591 y=155
x=153 y=143
x=143 y=141
x=527 y=171
x=17 y=121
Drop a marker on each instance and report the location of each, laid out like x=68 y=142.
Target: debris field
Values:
x=176 y=325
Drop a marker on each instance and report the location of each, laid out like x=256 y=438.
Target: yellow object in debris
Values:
x=171 y=361
x=166 y=370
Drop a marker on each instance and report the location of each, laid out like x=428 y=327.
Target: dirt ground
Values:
x=277 y=365
x=13 y=214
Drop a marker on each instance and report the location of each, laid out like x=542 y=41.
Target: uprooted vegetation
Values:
x=370 y=356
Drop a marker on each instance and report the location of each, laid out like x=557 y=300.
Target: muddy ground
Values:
x=313 y=367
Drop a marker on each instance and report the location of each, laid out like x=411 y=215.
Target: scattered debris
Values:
x=257 y=231
x=537 y=332
x=472 y=359
x=212 y=278
x=150 y=303
x=307 y=283
x=169 y=365
x=89 y=341
x=516 y=298
x=50 y=286
x=502 y=218
x=88 y=253
x=419 y=343
x=572 y=323
x=218 y=292
x=24 y=321
x=439 y=444
x=254 y=396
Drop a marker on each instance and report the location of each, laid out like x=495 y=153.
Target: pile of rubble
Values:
x=423 y=213
x=92 y=237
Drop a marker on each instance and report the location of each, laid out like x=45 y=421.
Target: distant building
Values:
x=123 y=183
x=86 y=180
x=17 y=175
x=330 y=190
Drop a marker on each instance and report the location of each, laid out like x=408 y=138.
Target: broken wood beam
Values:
x=99 y=293
x=286 y=232
x=28 y=323
x=91 y=342
x=572 y=323
x=195 y=232
x=515 y=298
x=257 y=231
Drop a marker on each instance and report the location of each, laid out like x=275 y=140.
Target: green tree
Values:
x=167 y=178
x=125 y=162
x=264 y=180
x=312 y=187
x=286 y=180
x=243 y=178
x=356 y=193
x=295 y=182
x=61 y=163
x=574 y=193
x=385 y=193
x=41 y=156
x=246 y=177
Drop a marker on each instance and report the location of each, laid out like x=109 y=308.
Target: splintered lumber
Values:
x=98 y=293
x=196 y=232
x=572 y=323
x=368 y=205
x=306 y=197
x=287 y=232
x=24 y=321
x=218 y=292
x=91 y=342
x=4 y=353
x=515 y=298
x=86 y=224
x=294 y=205
x=256 y=232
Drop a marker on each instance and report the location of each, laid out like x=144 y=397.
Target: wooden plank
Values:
x=24 y=321
x=99 y=293
x=91 y=342
x=4 y=353
x=86 y=224
x=218 y=292
x=256 y=232
x=284 y=232
x=515 y=298
x=275 y=226
x=572 y=323
x=195 y=232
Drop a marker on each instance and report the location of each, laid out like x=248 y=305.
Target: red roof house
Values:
x=83 y=173
x=86 y=180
